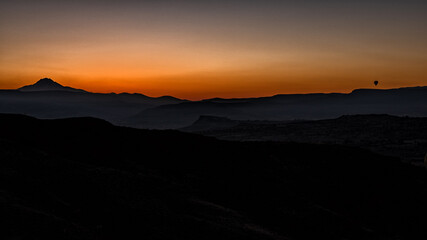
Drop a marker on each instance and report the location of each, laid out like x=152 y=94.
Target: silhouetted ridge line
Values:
x=410 y=101
x=47 y=84
x=49 y=99
x=85 y=179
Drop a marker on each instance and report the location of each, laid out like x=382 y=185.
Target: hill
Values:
x=400 y=102
x=84 y=178
x=48 y=99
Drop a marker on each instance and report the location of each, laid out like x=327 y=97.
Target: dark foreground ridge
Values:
x=84 y=178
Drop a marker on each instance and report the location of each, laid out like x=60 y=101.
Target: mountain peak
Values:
x=47 y=84
x=46 y=81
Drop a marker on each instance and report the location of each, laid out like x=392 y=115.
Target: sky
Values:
x=204 y=49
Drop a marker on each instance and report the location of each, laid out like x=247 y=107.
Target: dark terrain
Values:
x=47 y=99
x=84 y=178
x=403 y=137
x=411 y=101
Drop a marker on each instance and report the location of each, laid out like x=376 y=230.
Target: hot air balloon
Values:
x=376 y=83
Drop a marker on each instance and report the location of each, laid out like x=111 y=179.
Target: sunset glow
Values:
x=204 y=49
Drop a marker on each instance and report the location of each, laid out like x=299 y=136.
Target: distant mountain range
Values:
x=411 y=101
x=48 y=99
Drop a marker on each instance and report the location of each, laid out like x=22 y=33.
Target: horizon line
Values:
x=204 y=99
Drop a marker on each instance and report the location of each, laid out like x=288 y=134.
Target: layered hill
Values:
x=48 y=99
x=84 y=178
x=400 y=102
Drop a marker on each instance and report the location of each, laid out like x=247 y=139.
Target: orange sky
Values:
x=209 y=50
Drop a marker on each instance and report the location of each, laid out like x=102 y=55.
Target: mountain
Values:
x=403 y=137
x=47 y=84
x=410 y=101
x=48 y=99
x=84 y=178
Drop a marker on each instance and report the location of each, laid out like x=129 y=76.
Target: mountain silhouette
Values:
x=49 y=99
x=411 y=101
x=47 y=84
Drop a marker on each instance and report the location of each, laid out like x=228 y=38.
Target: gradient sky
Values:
x=203 y=49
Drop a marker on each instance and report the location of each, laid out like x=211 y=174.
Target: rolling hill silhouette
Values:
x=401 y=102
x=84 y=178
x=48 y=99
